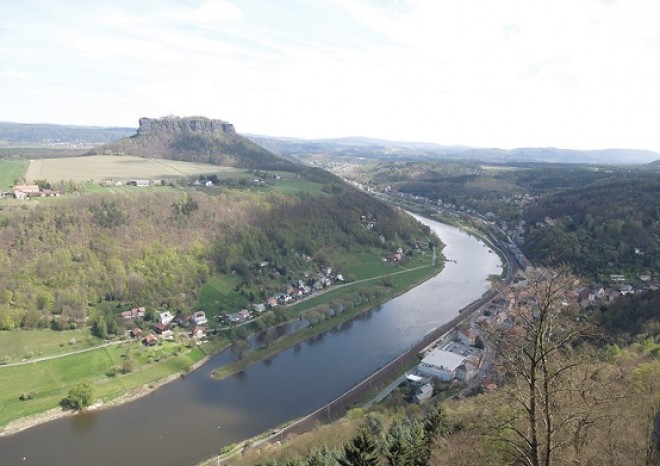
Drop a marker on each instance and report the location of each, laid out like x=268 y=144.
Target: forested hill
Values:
x=28 y=134
x=155 y=249
x=194 y=139
x=605 y=227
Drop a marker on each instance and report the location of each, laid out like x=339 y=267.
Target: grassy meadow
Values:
x=10 y=171
x=49 y=381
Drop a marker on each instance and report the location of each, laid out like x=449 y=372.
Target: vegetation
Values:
x=80 y=396
x=599 y=220
x=608 y=226
x=564 y=398
x=194 y=139
x=10 y=172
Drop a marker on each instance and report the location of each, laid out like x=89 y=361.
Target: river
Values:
x=192 y=418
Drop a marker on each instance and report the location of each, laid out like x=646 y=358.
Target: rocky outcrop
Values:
x=174 y=124
x=194 y=139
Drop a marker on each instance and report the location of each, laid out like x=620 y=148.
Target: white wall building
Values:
x=440 y=364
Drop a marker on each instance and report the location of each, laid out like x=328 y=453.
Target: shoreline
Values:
x=24 y=423
x=27 y=422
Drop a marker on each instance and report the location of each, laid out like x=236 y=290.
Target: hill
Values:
x=194 y=139
x=384 y=150
x=48 y=134
x=607 y=226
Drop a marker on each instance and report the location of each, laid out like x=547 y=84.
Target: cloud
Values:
x=214 y=11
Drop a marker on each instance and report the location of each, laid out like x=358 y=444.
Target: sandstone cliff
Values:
x=194 y=139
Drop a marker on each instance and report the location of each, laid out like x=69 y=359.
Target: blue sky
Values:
x=579 y=74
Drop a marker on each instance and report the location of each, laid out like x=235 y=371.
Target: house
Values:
x=199 y=318
x=167 y=335
x=199 y=333
x=259 y=308
x=23 y=191
x=423 y=393
x=466 y=371
x=244 y=314
x=272 y=301
x=150 y=340
x=467 y=336
x=326 y=271
x=160 y=328
x=441 y=365
x=132 y=314
x=165 y=317
x=136 y=333
x=627 y=289
x=339 y=277
x=140 y=183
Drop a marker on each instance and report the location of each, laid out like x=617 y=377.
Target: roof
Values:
x=27 y=188
x=443 y=359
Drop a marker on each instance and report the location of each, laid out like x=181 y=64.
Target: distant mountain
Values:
x=194 y=139
x=47 y=134
x=383 y=150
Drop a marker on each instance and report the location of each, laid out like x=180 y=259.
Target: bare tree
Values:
x=543 y=374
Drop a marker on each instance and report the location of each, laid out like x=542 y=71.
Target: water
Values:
x=192 y=418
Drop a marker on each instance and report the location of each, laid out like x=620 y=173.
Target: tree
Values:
x=80 y=396
x=537 y=358
x=361 y=451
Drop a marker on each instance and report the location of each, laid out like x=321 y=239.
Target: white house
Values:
x=199 y=318
x=423 y=393
x=259 y=308
x=166 y=317
x=440 y=364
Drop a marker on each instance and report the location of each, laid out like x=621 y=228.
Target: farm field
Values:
x=99 y=167
x=9 y=171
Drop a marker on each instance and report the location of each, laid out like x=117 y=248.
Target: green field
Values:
x=30 y=344
x=51 y=380
x=219 y=293
x=10 y=171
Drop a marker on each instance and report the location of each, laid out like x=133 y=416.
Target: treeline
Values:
x=631 y=317
x=603 y=220
x=608 y=226
x=407 y=441
x=158 y=249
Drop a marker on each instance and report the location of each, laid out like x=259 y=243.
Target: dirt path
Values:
x=57 y=356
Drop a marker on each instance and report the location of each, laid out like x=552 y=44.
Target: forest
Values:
x=58 y=260
x=602 y=220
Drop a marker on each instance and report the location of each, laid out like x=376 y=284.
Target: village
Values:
x=463 y=361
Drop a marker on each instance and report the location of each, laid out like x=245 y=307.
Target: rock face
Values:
x=173 y=124
x=194 y=139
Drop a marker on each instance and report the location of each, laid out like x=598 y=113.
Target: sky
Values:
x=580 y=74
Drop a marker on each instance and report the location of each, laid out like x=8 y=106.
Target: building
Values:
x=166 y=317
x=441 y=365
x=199 y=318
x=423 y=393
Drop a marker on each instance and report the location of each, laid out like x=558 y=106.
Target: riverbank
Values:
x=353 y=397
x=398 y=277
x=132 y=394
x=288 y=341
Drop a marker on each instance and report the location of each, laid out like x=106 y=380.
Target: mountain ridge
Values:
x=384 y=150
